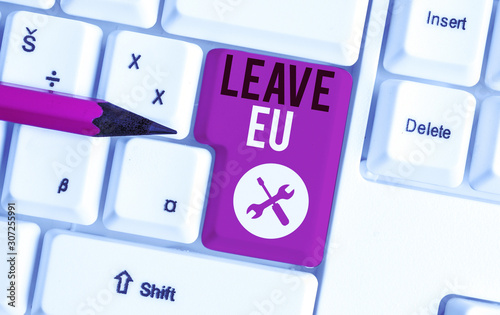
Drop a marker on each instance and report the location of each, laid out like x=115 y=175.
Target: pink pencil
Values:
x=78 y=115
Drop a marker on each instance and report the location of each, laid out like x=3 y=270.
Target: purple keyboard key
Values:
x=276 y=126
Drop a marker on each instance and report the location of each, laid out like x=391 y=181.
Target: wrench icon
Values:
x=281 y=194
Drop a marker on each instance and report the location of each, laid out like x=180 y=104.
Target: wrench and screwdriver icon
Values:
x=273 y=200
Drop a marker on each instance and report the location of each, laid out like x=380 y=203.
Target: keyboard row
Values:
x=61 y=176
x=114 y=277
x=278 y=33
x=152 y=76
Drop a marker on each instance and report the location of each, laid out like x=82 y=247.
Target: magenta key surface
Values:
x=276 y=126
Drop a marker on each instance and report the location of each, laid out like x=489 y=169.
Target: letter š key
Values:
x=273 y=200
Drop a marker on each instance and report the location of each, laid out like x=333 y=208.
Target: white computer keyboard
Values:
x=260 y=204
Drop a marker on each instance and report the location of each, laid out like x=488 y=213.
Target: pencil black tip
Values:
x=155 y=129
x=116 y=121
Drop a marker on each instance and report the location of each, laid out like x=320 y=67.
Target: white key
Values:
x=17 y=268
x=142 y=13
x=157 y=189
x=184 y=283
x=3 y=131
x=55 y=175
x=421 y=133
x=42 y=4
x=485 y=164
x=152 y=76
x=50 y=53
x=438 y=40
x=492 y=77
x=458 y=305
x=329 y=31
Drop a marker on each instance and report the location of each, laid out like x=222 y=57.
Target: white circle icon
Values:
x=271 y=201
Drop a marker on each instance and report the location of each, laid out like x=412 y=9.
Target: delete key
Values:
x=276 y=126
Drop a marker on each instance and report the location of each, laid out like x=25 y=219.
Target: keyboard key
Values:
x=3 y=132
x=146 y=280
x=55 y=175
x=438 y=40
x=152 y=76
x=141 y=13
x=329 y=31
x=421 y=133
x=17 y=269
x=461 y=305
x=492 y=77
x=167 y=181
x=50 y=53
x=485 y=164
x=272 y=190
x=42 y=4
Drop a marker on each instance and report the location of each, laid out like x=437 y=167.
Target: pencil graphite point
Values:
x=116 y=121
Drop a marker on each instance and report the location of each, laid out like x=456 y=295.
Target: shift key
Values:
x=113 y=277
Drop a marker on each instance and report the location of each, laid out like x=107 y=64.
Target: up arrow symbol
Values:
x=123 y=280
